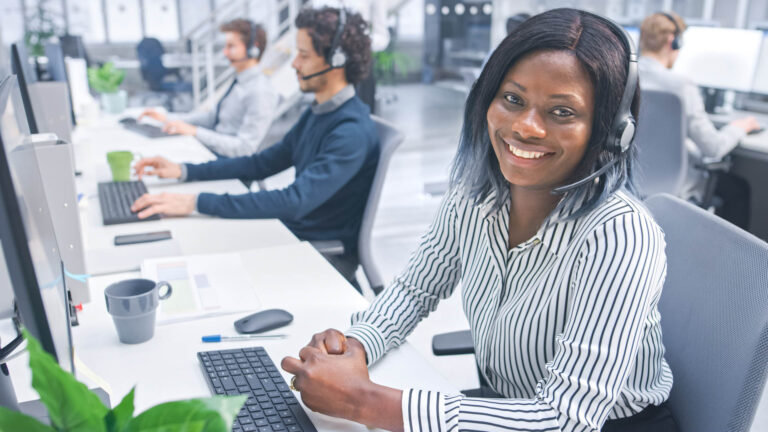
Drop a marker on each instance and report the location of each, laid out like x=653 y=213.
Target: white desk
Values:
x=193 y=235
x=294 y=277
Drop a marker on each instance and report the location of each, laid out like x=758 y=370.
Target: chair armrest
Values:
x=459 y=342
x=714 y=164
x=328 y=247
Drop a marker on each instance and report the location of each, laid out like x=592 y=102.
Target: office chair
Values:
x=662 y=156
x=73 y=46
x=714 y=317
x=390 y=139
x=150 y=53
x=660 y=141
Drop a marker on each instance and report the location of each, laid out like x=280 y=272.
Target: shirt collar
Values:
x=248 y=74
x=337 y=100
x=555 y=234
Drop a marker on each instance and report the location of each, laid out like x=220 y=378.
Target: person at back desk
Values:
x=660 y=42
x=333 y=146
x=240 y=120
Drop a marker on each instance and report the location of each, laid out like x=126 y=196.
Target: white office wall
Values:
x=193 y=12
x=11 y=21
x=123 y=20
x=161 y=19
x=411 y=21
x=86 y=18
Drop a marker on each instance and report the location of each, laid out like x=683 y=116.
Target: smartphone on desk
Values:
x=128 y=239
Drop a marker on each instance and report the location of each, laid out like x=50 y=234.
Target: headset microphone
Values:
x=623 y=127
x=322 y=72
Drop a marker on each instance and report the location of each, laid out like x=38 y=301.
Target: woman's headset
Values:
x=622 y=129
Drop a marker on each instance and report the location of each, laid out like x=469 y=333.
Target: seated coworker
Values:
x=241 y=118
x=333 y=146
x=560 y=278
x=660 y=42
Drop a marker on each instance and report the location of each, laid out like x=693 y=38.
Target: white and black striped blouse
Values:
x=566 y=324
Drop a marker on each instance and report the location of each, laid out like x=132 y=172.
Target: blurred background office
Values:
x=434 y=54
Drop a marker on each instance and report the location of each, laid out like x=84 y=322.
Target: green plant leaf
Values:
x=71 y=406
x=214 y=414
x=120 y=415
x=105 y=79
x=16 y=421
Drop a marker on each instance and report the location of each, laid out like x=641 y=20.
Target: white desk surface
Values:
x=191 y=235
x=166 y=367
x=757 y=143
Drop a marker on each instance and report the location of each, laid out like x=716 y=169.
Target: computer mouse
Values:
x=263 y=320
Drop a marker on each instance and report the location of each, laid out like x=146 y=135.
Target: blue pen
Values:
x=220 y=338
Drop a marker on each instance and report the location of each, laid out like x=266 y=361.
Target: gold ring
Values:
x=293 y=381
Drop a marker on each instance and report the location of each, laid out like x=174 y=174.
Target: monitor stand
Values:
x=713 y=99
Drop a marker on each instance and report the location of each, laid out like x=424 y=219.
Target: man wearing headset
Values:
x=333 y=147
x=239 y=121
x=661 y=37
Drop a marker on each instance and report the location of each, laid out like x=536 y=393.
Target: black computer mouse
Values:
x=263 y=320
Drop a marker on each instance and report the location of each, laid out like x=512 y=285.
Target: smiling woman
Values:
x=561 y=267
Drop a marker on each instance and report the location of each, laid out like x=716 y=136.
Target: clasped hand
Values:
x=332 y=375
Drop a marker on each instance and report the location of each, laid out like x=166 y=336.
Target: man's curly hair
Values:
x=321 y=25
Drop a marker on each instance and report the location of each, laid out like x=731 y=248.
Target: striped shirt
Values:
x=566 y=324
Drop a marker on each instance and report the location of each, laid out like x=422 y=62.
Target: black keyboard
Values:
x=145 y=129
x=271 y=405
x=116 y=199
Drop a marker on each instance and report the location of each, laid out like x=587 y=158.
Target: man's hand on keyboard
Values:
x=169 y=204
x=161 y=167
x=178 y=127
x=153 y=114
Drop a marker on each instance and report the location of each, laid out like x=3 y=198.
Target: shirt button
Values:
x=536 y=241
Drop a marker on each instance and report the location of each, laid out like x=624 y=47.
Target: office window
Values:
x=86 y=18
x=11 y=21
x=123 y=20
x=411 y=21
x=193 y=12
x=161 y=20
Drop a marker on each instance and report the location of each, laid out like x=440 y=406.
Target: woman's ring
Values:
x=293 y=382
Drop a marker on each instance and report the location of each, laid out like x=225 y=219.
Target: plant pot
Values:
x=114 y=103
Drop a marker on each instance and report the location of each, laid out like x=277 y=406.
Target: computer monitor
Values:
x=760 y=84
x=57 y=69
x=720 y=58
x=27 y=238
x=20 y=67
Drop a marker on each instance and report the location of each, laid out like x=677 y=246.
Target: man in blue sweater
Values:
x=333 y=147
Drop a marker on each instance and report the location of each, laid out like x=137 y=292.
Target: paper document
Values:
x=203 y=285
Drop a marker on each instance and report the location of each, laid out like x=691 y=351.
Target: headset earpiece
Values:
x=252 y=51
x=337 y=58
x=677 y=42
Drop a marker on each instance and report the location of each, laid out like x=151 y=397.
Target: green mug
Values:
x=120 y=164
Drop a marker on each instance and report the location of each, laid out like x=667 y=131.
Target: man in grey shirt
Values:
x=239 y=121
x=660 y=41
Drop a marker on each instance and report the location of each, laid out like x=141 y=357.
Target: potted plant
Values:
x=106 y=80
x=72 y=407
